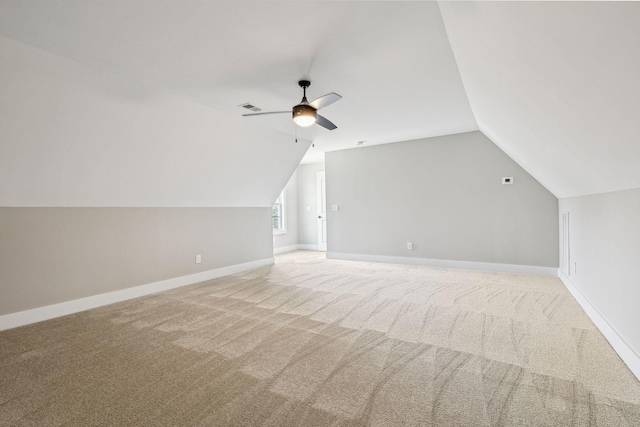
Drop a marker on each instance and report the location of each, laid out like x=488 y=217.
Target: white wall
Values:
x=290 y=237
x=308 y=199
x=445 y=196
x=604 y=235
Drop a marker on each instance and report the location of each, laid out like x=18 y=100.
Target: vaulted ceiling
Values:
x=556 y=85
x=553 y=84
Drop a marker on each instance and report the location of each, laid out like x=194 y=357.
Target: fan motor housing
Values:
x=304 y=110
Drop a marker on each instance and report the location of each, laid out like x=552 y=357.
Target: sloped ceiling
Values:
x=76 y=136
x=556 y=86
x=391 y=61
x=553 y=84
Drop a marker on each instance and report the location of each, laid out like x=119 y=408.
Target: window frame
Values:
x=283 y=214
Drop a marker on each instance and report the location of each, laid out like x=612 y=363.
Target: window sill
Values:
x=279 y=232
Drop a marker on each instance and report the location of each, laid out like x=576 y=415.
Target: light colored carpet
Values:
x=316 y=342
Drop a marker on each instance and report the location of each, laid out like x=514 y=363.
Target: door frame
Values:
x=565 y=245
x=321 y=195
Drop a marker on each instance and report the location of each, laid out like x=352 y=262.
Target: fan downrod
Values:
x=304 y=84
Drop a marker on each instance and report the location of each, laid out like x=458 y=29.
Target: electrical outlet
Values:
x=198 y=259
x=409 y=246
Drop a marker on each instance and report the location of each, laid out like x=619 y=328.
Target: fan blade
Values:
x=322 y=121
x=269 y=112
x=325 y=100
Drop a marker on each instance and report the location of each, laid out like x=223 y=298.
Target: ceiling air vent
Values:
x=250 y=107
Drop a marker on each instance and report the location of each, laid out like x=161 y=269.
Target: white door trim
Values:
x=321 y=192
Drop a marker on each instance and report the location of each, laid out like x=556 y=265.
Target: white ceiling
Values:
x=391 y=61
x=555 y=85
x=75 y=136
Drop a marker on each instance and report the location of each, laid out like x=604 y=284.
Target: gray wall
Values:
x=307 y=198
x=52 y=255
x=174 y=171
x=289 y=238
x=604 y=233
x=443 y=194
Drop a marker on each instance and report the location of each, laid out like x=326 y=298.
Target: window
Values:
x=278 y=215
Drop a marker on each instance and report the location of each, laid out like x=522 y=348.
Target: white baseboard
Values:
x=13 y=320
x=465 y=265
x=295 y=248
x=285 y=249
x=621 y=347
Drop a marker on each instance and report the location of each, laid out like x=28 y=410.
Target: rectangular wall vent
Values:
x=250 y=107
x=507 y=180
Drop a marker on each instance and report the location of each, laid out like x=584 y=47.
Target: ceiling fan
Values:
x=306 y=113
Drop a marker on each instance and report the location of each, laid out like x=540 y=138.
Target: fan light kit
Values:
x=306 y=113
